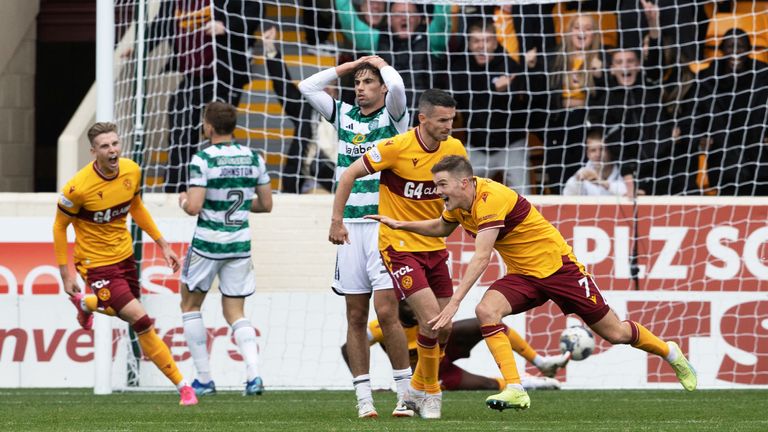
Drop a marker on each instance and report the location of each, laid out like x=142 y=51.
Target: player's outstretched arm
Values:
x=477 y=265
x=263 y=201
x=60 y=225
x=338 y=233
x=143 y=219
x=438 y=227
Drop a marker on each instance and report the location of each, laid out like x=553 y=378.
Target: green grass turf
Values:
x=635 y=410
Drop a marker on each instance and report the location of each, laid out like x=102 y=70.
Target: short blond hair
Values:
x=99 y=128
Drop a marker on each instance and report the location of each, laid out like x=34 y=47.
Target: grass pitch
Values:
x=79 y=409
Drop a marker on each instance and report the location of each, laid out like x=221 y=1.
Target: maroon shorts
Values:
x=415 y=271
x=572 y=291
x=450 y=375
x=116 y=284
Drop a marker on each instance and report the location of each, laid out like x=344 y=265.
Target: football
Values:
x=577 y=340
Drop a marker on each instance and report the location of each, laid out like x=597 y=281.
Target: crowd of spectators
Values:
x=532 y=80
x=210 y=41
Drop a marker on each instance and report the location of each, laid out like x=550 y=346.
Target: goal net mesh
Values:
x=659 y=108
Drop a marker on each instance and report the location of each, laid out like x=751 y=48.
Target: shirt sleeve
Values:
x=69 y=205
x=461 y=149
x=396 y=102
x=382 y=156
x=198 y=172
x=262 y=177
x=449 y=216
x=69 y=200
x=439 y=28
x=364 y=37
x=60 y=224
x=490 y=211
x=572 y=187
x=143 y=219
x=505 y=33
x=313 y=88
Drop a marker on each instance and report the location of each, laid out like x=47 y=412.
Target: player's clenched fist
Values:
x=338 y=233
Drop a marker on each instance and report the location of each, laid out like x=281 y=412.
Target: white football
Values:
x=577 y=340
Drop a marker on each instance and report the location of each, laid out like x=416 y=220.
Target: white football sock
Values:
x=183 y=383
x=402 y=381
x=245 y=336
x=197 y=340
x=672 y=356
x=84 y=305
x=362 y=385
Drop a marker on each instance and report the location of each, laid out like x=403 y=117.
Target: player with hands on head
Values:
x=379 y=115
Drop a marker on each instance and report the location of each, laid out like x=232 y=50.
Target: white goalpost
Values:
x=105 y=43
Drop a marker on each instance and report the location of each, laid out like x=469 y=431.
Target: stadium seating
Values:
x=607 y=22
x=752 y=17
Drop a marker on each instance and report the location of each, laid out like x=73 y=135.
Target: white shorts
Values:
x=359 y=269
x=236 y=278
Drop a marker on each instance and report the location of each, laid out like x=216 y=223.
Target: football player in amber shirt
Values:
x=540 y=266
x=97 y=201
x=417 y=264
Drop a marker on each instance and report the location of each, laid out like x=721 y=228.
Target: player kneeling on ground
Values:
x=540 y=266
x=96 y=201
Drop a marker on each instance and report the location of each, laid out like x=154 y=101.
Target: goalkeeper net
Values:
x=642 y=103
x=673 y=92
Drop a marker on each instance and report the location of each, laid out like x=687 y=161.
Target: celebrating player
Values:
x=96 y=201
x=540 y=266
x=416 y=263
x=380 y=114
x=223 y=179
x=465 y=334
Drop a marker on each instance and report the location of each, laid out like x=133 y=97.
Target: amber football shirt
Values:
x=406 y=189
x=99 y=207
x=527 y=242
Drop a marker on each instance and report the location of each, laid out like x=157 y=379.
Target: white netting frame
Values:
x=164 y=84
x=264 y=126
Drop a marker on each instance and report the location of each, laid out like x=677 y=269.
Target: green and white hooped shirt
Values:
x=358 y=133
x=229 y=172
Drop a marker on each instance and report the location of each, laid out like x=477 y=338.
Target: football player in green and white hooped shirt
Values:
x=380 y=114
x=226 y=182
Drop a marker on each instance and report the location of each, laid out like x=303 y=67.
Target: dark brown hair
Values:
x=435 y=97
x=596 y=134
x=454 y=164
x=371 y=68
x=222 y=116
